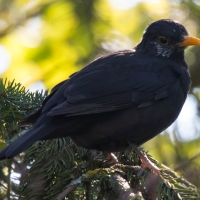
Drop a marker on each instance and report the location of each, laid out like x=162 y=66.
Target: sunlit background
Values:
x=43 y=42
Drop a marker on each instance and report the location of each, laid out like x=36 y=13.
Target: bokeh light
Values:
x=5 y=59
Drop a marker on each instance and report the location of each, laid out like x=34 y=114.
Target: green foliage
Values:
x=15 y=103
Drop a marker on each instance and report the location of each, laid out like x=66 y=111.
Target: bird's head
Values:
x=166 y=38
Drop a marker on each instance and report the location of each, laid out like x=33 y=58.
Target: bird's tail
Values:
x=23 y=142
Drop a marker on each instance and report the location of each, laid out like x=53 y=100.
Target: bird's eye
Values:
x=163 y=40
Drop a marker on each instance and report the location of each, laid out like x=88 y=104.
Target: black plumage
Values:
x=125 y=97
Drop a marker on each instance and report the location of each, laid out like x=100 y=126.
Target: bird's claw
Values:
x=111 y=159
x=146 y=163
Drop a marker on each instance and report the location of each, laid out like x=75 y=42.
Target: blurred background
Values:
x=43 y=42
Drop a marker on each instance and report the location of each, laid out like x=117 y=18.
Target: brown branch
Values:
x=122 y=189
x=66 y=192
x=72 y=186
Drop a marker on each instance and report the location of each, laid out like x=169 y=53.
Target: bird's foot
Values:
x=111 y=159
x=146 y=163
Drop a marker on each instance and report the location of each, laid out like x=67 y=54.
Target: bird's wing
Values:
x=113 y=88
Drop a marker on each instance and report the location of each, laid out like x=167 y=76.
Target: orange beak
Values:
x=188 y=40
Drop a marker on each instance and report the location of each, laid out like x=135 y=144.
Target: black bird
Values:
x=124 y=97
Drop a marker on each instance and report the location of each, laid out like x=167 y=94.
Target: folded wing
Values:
x=108 y=88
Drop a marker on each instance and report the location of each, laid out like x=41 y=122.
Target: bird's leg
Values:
x=146 y=163
x=111 y=159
